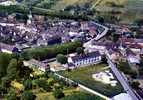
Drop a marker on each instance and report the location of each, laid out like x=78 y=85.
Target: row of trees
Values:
x=42 y=53
x=125 y=67
x=13 y=9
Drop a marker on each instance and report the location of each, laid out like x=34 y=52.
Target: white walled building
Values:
x=85 y=59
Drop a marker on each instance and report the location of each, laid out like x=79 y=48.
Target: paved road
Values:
x=121 y=78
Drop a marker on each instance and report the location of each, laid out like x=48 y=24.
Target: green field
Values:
x=129 y=10
x=64 y=3
x=84 y=76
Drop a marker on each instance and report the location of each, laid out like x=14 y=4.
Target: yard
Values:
x=84 y=76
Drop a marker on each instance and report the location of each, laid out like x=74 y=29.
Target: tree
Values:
x=43 y=84
x=80 y=50
x=135 y=85
x=141 y=66
x=42 y=53
x=27 y=84
x=58 y=93
x=61 y=59
x=26 y=55
x=100 y=19
x=24 y=72
x=15 y=55
x=3 y=91
x=47 y=71
x=139 y=22
x=115 y=37
x=11 y=95
x=12 y=69
x=26 y=95
x=4 y=61
x=104 y=59
x=125 y=67
x=11 y=73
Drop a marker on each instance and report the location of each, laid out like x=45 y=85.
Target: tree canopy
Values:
x=80 y=50
x=42 y=53
x=12 y=69
x=61 y=59
x=4 y=61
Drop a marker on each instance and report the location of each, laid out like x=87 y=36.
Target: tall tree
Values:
x=12 y=69
x=4 y=61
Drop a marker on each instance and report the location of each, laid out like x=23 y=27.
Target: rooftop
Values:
x=86 y=56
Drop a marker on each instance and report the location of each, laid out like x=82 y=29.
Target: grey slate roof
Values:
x=85 y=56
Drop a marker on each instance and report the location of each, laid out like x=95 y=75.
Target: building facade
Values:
x=84 y=59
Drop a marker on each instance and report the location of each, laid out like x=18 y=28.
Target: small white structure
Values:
x=122 y=96
x=105 y=77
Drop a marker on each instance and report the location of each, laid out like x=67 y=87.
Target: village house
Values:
x=115 y=55
x=36 y=64
x=134 y=44
x=6 y=48
x=132 y=58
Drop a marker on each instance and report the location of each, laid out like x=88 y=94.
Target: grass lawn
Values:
x=84 y=76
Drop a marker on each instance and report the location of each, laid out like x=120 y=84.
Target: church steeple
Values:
x=29 y=21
